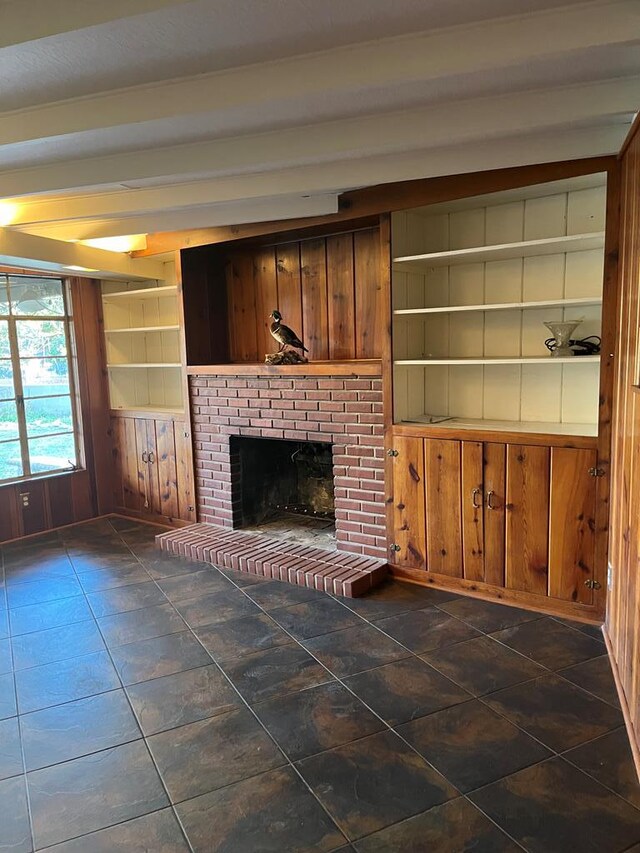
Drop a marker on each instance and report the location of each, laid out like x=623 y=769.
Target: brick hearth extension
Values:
x=343 y=410
x=331 y=571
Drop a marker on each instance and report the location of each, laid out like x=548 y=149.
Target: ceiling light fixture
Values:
x=123 y=244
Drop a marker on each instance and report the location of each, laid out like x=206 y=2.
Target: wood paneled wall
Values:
x=623 y=616
x=79 y=495
x=327 y=289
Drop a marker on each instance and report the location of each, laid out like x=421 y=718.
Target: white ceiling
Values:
x=131 y=116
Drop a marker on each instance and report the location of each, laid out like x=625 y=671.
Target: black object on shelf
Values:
x=583 y=346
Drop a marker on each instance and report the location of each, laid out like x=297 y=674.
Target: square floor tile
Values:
x=423 y=630
x=550 y=644
x=393 y=597
x=38 y=568
x=239 y=637
x=487 y=616
x=471 y=745
x=6 y=664
x=609 y=760
x=593 y=631
x=56 y=644
x=553 y=807
x=405 y=689
x=158 y=832
x=595 y=676
x=15 y=834
x=4 y=623
x=40 y=617
x=39 y=592
x=104 y=561
x=316 y=719
x=158 y=656
x=556 y=712
x=135 y=625
x=7 y=696
x=181 y=698
x=373 y=782
x=272 y=594
x=274 y=672
x=64 y=681
x=125 y=598
x=215 y=608
x=453 y=827
x=77 y=728
x=483 y=665
x=10 y=749
x=270 y=813
x=113 y=577
x=210 y=754
x=355 y=649
x=159 y=564
x=93 y=792
x=194 y=584
x=313 y=618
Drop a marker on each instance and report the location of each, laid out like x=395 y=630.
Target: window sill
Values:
x=49 y=475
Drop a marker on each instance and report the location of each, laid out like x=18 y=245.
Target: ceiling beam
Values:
x=431 y=127
x=27 y=250
x=28 y=20
x=571 y=153
x=233 y=213
x=463 y=49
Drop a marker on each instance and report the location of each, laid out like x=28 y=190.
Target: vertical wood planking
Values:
x=527 y=520
x=341 y=297
x=60 y=499
x=184 y=472
x=167 y=469
x=137 y=468
x=472 y=515
x=443 y=506
x=494 y=477
x=314 y=298
x=241 y=296
x=152 y=475
x=407 y=500
x=368 y=294
x=290 y=286
x=266 y=289
x=572 y=524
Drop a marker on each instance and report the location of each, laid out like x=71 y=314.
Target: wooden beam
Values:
x=439 y=125
x=426 y=56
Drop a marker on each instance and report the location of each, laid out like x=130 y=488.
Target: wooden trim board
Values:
x=357 y=367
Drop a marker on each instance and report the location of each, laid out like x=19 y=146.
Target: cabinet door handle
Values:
x=152 y=457
x=145 y=457
x=490 y=505
x=474 y=493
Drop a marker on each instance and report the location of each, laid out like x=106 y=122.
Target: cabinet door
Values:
x=527 y=518
x=154 y=499
x=408 y=522
x=184 y=474
x=494 y=463
x=572 y=524
x=165 y=462
x=128 y=494
x=442 y=461
x=473 y=511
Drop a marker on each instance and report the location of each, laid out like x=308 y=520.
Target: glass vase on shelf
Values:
x=561 y=331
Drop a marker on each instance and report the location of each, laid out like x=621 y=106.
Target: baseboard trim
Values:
x=635 y=746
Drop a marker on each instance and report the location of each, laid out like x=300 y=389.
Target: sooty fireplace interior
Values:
x=286 y=488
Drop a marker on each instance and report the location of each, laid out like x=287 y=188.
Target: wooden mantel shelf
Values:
x=355 y=367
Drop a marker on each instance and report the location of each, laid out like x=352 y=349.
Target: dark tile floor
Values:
x=148 y=703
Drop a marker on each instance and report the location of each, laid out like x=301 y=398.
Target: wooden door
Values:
x=166 y=466
x=494 y=474
x=184 y=472
x=407 y=515
x=473 y=510
x=442 y=459
x=154 y=498
x=572 y=526
x=527 y=518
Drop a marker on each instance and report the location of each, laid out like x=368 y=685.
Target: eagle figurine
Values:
x=285 y=336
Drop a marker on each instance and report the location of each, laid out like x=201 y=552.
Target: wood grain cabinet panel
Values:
x=572 y=526
x=408 y=530
x=483 y=511
x=443 y=503
x=494 y=480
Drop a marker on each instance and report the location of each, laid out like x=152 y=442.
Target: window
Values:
x=38 y=423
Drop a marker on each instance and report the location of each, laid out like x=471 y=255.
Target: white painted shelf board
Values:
x=502 y=306
x=507 y=426
x=142 y=330
x=503 y=251
x=143 y=293
x=144 y=364
x=542 y=359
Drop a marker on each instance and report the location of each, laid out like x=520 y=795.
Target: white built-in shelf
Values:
x=502 y=252
x=142 y=330
x=507 y=426
x=542 y=359
x=143 y=293
x=503 y=306
x=144 y=364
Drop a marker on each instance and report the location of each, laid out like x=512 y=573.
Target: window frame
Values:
x=16 y=361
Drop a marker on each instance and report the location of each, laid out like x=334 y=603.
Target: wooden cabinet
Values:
x=489 y=515
x=152 y=468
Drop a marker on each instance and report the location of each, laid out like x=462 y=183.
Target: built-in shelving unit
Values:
x=473 y=282
x=143 y=347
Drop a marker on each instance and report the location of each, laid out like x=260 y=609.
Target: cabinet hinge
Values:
x=394 y=547
x=596 y=472
x=392 y=452
x=591 y=584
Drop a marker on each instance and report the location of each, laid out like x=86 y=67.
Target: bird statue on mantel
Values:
x=285 y=336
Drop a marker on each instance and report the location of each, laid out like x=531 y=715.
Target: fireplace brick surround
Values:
x=343 y=410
